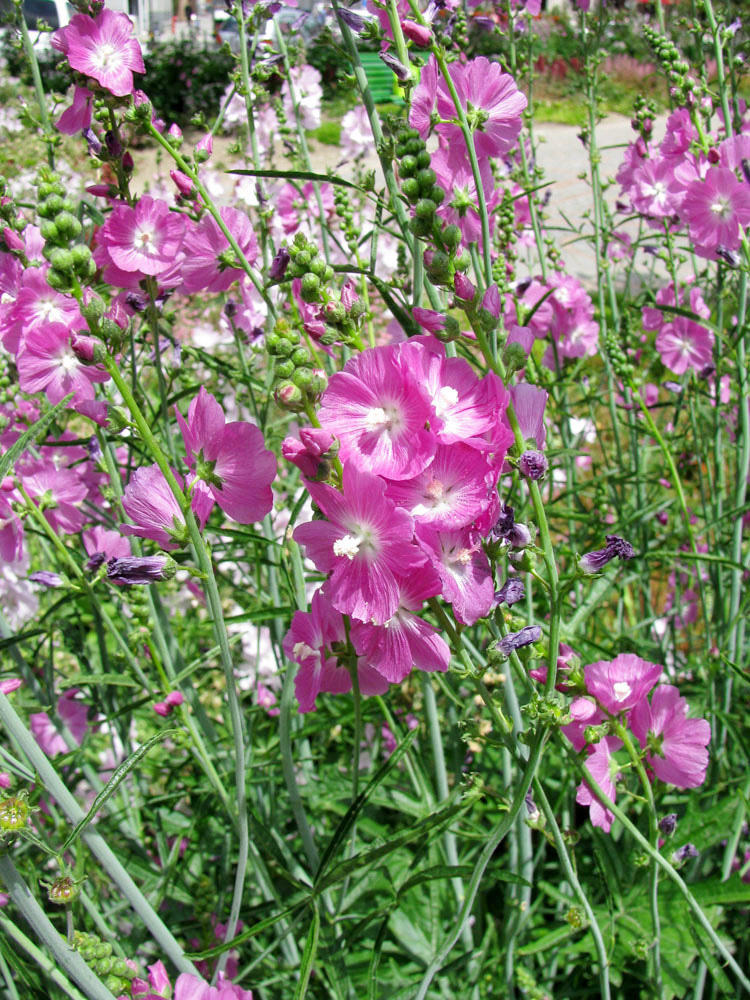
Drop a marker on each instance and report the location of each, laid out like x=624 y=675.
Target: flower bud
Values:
x=417 y=33
x=64 y=890
x=14 y=813
x=182 y=182
x=533 y=464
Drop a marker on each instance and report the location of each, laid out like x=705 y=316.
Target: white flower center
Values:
x=103 y=55
x=347 y=546
x=379 y=418
x=446 y=398
x=68 y=362
x=5 y=298
x=145 y=241
x=721 y=207
x=622 y=690
x=302 y=651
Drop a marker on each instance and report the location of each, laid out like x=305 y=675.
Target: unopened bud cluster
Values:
x=299 y=381
x=115 y=972
x=69 y=261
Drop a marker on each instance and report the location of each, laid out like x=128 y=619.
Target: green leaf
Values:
x=251 y=932
x=548 y=940
x=713 y=892
x=296 y=175
x=339 y=834
x=11 y=456
x=13 y=639
x=117 y=778
x=117 y=680
x=261 y=615
x=706 y=951
x=308 y=955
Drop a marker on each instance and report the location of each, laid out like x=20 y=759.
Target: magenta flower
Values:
x=584 y=713
x=423 y=98
x=455 y=176
x=230 y=458
x=654 y=191
x=405 y=640
x=210 y=264
x=146 y=238
x=675 y=745
x=47 y=363
x=492 y=102
x=378 y=412
x=102 y=47
x=717 y=209
x=621 y=683
x=451 y=492
x=684 y=344
x=150 y=503
x=37 y=304
x=308 y=453
x=604 y=772
x=366 y=545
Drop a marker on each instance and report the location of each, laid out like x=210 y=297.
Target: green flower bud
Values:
x=310 y=288
x=410 y=189
x=301 y=356
x=81 y=256
x=49 y=231
x=289 y=397
x=61 y=260
x=57 y=280
x=419 y=226
x=426 y=179
x=317 y=266
x=52 y=205
x=14 y=813
x=68 y=225
x=437 y=194
x=425 y=208
x=93 y=310
x=63 y=890
x=285 y=369
x=408 y=166
x=423 y=159
x=284 y=347
x=302 y=377
x=452 y=236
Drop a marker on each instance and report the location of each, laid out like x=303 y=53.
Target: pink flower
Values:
x=10 y=684
x=309 y=642
x=102 y=544
x=455 y=176
x=59 y=492
x=166 y=707
x=37 y=304
x=654 y=192
x=423 y=98
x=584 y=712
x=405 y=640
x=189 y=987
x=717 y=209
x=451 y=492
x=210 y=264
x=495 y=104
x=47 y=363
x=150 y=503
x=683 y=344
x=675 y=745
x=102 y=47
x=378 y=412
x=601 y=765
x=463 y=568
x=366 y=544
x=307 y=453
x=78 y=116
x=146 y=238
x=230 y=458
x=72 y=713
x=621 y=683
x=529 y=403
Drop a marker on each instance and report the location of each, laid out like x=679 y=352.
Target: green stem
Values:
x=39 y=958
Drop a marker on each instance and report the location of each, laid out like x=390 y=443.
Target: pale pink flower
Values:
x=675 y=745
x=683 y=344
x=150 y=503
x=145 y=238
x=529 y=403
x=621 y=683
x=102 y=47
x=102 y=544
x=680 y=133
x=231 y=458
x=47 y=363
x=303 y=89
x=584 y=713
x=356 y=134
x=603 y=770
x=495 y=103
x=424 y=97
x=455 y=176
x=366 y=545
x=37 y=304
x=653 y=191
x=72 y=713
x=10 y=684
x=717 y=209
x=58 y=491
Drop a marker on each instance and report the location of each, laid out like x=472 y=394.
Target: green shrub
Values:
x=184 y=78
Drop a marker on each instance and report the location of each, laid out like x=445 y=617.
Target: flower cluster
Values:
x=673 y=746
x=421 y=442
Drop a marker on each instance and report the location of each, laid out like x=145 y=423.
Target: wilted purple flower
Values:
x=136 y=301
x=511 y=592
x=730 y=257
x=532 y=811
x=403 y=75
x=517 y=640
x=47 y=579
x=92 y=141
x=94 y=448
x=279 y=265
x=668 y=824
x=517 y=536
x=533 y=464
x=132 y=570
x=594 y=562
x=683 y=854
x=352 y=20
x=113 y=144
